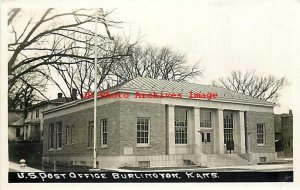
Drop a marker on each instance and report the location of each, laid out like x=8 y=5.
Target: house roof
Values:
x=54 y=101
x=15 y=119
x=20 y=122
x=157 y=85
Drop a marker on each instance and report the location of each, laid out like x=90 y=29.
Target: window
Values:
x=262 y=159
x=206 y=137
x=144 y=164
x=83 y=163
x=36 y=131
x=51 y=136
x=18 y=132
x=37 y=113
x=67 y=134
x=103 y=128
x=205 y=119
x=59 y=135
x=72 y=134
x=25 y=132
x=181 y=126
x=91 y=134
x=143 y=125
x=228 y=127
x=260 y=133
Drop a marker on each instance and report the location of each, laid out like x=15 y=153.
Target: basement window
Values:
x=262 y=159
x=82 y=163
x=144 y=164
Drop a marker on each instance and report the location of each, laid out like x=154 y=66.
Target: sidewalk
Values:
x=15 y=167
x=257 y=167
x=245 y=168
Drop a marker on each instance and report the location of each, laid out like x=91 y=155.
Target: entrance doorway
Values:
x=228 y=132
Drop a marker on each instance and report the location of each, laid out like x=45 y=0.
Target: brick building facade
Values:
x=161 y=132
x=287 y=133
x=284 y=134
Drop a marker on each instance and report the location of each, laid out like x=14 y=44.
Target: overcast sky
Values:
x=223 y=35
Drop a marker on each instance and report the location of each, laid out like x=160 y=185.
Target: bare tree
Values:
x=27 y=91
x=40 y=42
x=157 y=63
x=12 y=14
x=50 y=38
x=79 y=75
x=262 y=87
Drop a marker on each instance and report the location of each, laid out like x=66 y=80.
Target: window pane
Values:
x=90 y=133
x=228 y=128
x=205 y=119
x=103 y=128
x=58 y=135
x=180 y=126
x=142 y=130
x=207 y=137
x=260 y=133
x=72 y=133
x=51 y=137
x=67 y=134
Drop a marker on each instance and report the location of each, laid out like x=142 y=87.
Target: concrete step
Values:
x=219 y=160
x=188 y=162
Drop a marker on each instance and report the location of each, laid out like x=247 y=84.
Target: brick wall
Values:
x=122 y=121
x=277 y=123
x=253 y=118
x=81 y=119
x=122 y=131
x=287 y=135
x=129 y=111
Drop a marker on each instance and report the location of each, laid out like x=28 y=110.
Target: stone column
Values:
x=221 y=131
x=28 y=132
x=197 y=135
x=215 y=132
x=25 y=132
x=171 y=130
x=242 y=131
